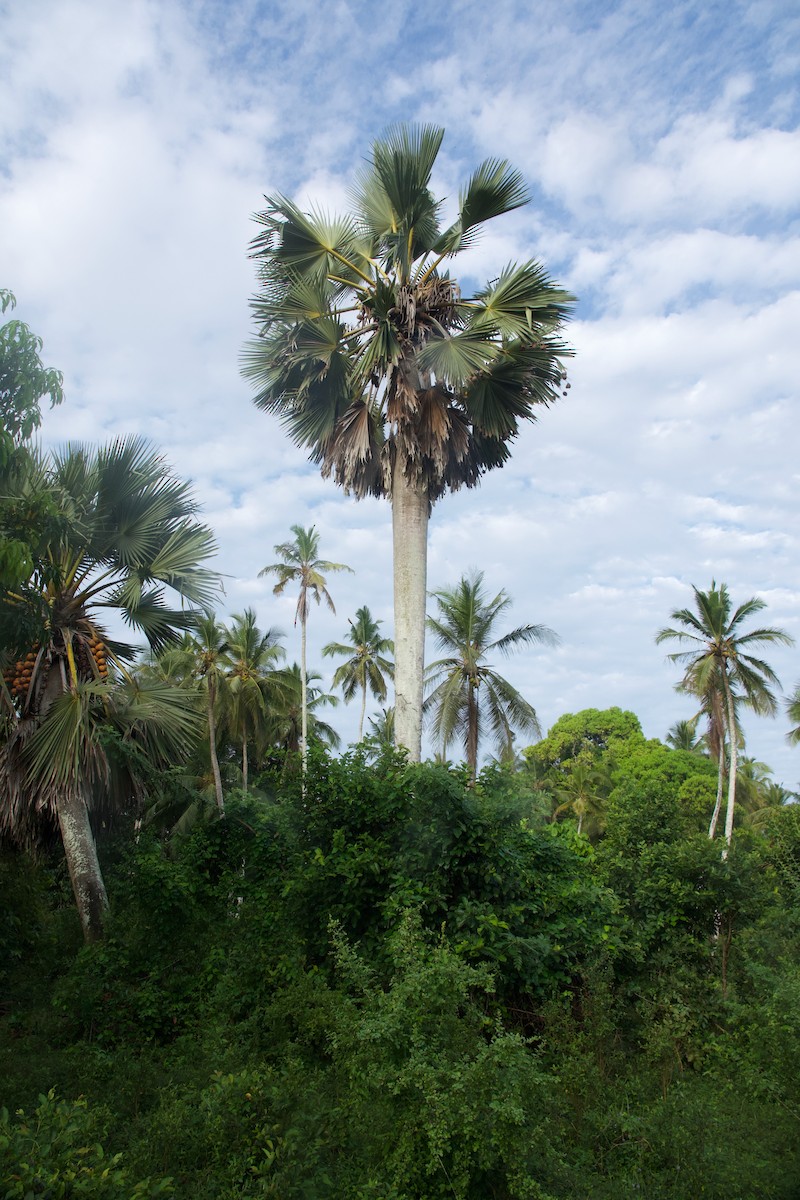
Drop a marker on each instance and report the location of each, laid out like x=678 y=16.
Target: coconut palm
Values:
x=287 y=716
x=718 y=660
x=584 y=792
x=300 y=564
x=199 y=662
x=128 y=536
x=683 y=736
x=396 y=383
x=367 y=667
x=250 y=659
x=382 y=728
x=467 y=692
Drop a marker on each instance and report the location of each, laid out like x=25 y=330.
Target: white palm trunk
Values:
x=732 y=738
x=712 y=829
x=363 y=712
x=303 y=697
x=410 y=548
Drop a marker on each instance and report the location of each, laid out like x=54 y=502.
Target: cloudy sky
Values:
x=661 y=144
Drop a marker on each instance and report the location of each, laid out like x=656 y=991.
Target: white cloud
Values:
x=664 y=161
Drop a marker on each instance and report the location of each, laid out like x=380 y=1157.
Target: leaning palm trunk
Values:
x=734 y=756
x=212 y=742
x=712 y=829
x=363 y=711
x=82 y=862
x=303 y=697
x=410 y=509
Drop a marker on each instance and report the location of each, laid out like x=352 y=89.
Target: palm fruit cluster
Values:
x=97 y=649
x=18 y=676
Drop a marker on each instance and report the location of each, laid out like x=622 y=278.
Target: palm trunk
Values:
x=363 y=711
x=410 y=513
x=712 y=829
x=83 y=865
x=472 y=733
x=245 y=764
x=303 y=697
x=734 y=755
x=212 y=742
x=77 y=838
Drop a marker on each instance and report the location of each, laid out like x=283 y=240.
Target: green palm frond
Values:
x=494 y=188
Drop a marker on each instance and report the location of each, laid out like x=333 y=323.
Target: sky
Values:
x=661 y=147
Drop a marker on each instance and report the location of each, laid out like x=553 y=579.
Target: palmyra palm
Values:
x=397 y=383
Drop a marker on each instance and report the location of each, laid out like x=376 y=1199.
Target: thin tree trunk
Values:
x=712 y=829
x=245 y=764
x=212 y=741
x=363 y=711
x=472 y=732
x=410 y=548
x=732 y=738
x=83 y=865
x=303 y=697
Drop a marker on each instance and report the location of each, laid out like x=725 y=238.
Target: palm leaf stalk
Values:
x=466 y=690
x=718 y=660
x=397 y=383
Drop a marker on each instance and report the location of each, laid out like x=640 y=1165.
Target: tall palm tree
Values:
x=718 y=660
x=367 y=667
x=300 y=564
x=250 y=660
x=466 y=626
x=396 y=383
x=128 y=536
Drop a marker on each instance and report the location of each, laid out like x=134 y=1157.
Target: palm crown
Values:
x=368 y=351
x=367 y=666
x=466 y=626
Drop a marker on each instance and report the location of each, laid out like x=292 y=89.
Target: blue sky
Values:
x=661 y=145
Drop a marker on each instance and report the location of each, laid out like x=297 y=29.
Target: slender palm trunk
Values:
x=363 y=711
x=212 y=742
x=472 y=731
x=410 y=548
x=245 y=764
x=712 y=829
x=83 y=865
x=303 y=696
x=732 y=738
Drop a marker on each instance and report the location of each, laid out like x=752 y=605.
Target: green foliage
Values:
x=24 y=380
x=389 y=984
x=54 y=1152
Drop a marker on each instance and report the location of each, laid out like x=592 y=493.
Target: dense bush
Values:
x=392 y=985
